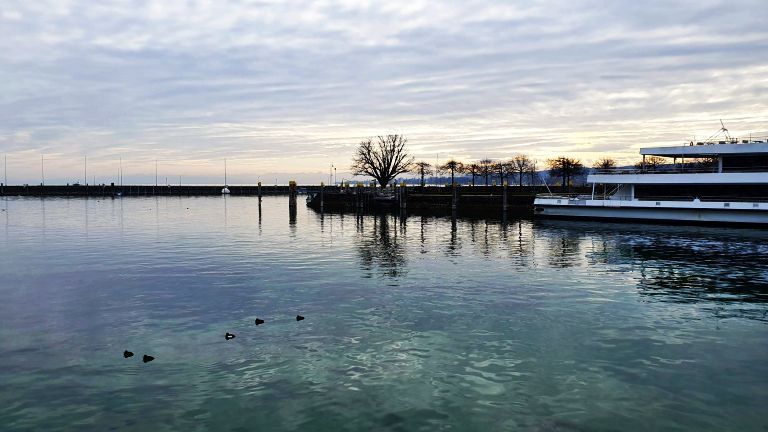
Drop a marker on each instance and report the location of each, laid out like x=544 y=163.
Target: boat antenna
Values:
x=545 y=183
x=723 y=130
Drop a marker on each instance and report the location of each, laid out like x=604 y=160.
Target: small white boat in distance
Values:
x=225 y=191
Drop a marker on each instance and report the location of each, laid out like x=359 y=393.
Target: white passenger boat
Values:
x=720 y=182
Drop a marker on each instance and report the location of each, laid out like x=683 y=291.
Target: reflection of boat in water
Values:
x=717 y=267
x=722 y=182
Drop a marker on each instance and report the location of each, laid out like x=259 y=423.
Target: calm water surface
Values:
x=412 y=323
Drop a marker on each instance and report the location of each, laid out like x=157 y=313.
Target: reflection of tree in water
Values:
x=453 y=244
x=379 y=245
x=563 y=249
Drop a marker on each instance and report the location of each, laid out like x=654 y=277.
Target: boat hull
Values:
x=669 y=212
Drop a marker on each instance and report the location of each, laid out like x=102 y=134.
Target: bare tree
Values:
x=422 y=168
x=533 y=173
x=473 y=170
x=650 y=163
x=383 y=159
x=504 y=170
x=521 y=164
x=452 y=166
x=565 y=168
x=605 y=164
x=485 y=166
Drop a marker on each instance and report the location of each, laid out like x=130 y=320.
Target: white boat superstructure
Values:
x=725 y=181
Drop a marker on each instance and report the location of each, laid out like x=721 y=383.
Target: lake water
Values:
x=412 y=323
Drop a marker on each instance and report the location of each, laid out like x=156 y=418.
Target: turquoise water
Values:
x=412 y=323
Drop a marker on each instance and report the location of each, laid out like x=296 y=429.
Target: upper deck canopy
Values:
x=708 y=150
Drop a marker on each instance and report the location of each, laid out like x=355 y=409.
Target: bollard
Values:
x=403 y=195
x=292 y=193
x=359 y=195
x=454 y=200
x=259 y=191
x=504 y=199
x=322 y=195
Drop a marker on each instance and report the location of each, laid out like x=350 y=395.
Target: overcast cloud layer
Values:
x=283 y=89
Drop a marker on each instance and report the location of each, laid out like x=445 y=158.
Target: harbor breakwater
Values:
x=466 y=198
x=140 y=190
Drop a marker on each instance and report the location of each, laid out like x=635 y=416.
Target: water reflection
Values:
x=380 y=246
x=564 y=249
x=414 y=321
x=259 y=218
x=672 y=264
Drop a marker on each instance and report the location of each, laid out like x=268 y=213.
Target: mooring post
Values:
x=504 y=199
x=359 y=195
x=403 y=195
x=259 y=191
x=292 y=193
x=322 y=195
x=454 y=199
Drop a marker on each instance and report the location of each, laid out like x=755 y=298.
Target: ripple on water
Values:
x=414 y=323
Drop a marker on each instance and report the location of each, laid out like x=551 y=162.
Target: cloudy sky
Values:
x=283 y=89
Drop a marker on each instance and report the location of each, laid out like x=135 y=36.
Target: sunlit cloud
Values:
x=284 y=89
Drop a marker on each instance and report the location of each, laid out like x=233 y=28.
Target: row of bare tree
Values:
x=520 y=167
x=385 y=157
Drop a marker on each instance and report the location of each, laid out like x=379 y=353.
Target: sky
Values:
x=285 y=89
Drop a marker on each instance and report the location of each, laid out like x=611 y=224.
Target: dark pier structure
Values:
x=465 y=198
x=141 y=190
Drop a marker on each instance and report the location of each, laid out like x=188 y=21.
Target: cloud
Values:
x=291 y=87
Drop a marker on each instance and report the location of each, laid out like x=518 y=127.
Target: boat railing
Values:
x=656 y=170
x=669 y=169
x=562 y=195
x=731 y=140
x=600 y=197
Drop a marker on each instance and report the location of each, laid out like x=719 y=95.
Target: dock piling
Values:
x=504 y=197
x=292 y=193
x=403 y=195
